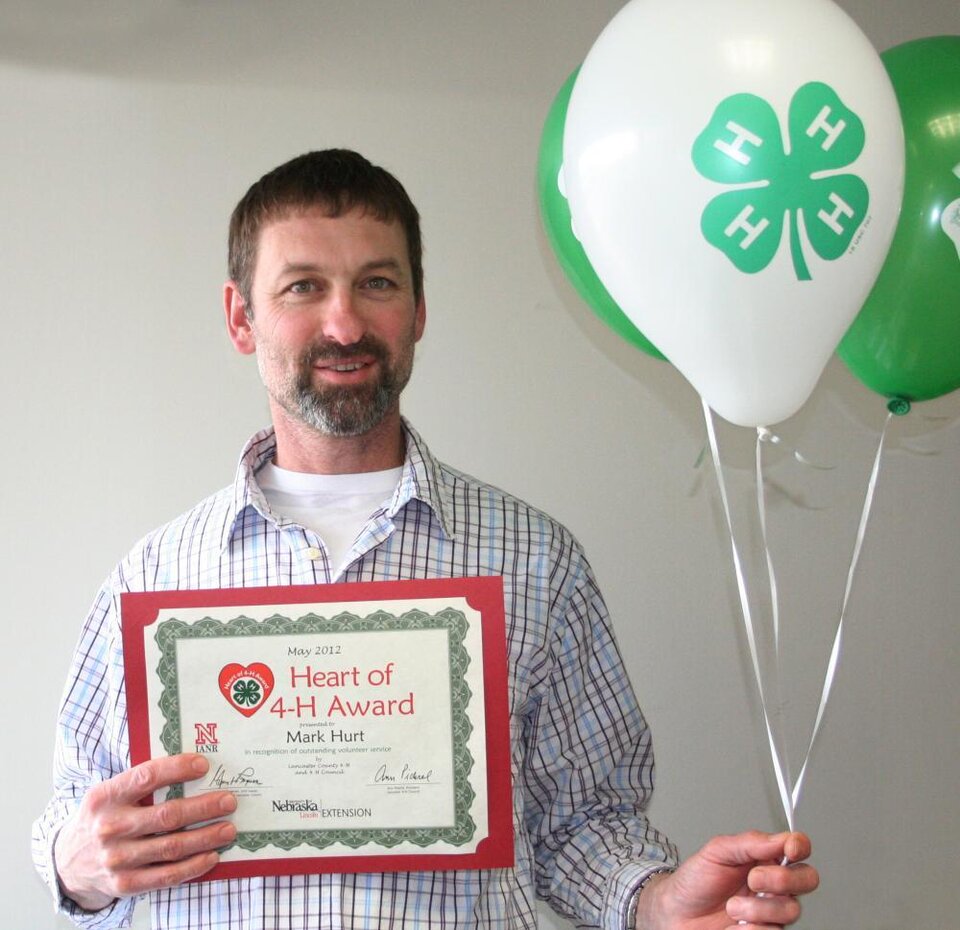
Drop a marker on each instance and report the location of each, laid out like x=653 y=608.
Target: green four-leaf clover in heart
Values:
x=246 y=691
x=742 y=145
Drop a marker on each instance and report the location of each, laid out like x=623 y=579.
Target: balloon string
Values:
x=782 y=782
x=835 y=651
x=762 y=434
x=762 y=512
x=765 y=435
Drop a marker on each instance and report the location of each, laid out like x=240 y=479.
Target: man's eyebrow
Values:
x=387 y=264
x=299 y=267
x=376 y=264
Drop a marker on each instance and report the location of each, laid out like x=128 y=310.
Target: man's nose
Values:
x=342 y=322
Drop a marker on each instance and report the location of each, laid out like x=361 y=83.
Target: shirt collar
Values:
x=259 y=450
x=421 y=479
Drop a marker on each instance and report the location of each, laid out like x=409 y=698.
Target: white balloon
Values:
x=747 y=295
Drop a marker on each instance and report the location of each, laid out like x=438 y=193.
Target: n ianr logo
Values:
x=206 y=740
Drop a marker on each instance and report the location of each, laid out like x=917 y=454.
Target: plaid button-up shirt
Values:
x=581 y=759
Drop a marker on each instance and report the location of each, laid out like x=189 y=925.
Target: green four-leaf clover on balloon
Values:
x=743 y=146
x=246 y=691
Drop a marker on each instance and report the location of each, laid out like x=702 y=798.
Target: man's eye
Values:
x=379 y=283
x=301 y=287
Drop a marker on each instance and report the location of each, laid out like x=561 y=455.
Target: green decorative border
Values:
x=453 y=621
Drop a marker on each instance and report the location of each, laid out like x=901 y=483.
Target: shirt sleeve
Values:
x=589 y=772
x=91 y=746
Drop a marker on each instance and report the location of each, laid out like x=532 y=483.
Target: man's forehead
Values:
x=310 y=234
x=299 y=222
x=325 y=214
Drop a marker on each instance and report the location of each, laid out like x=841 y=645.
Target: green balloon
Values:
x=556 y=220
x=905 y=342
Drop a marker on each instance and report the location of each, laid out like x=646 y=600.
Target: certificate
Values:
x=362 y=727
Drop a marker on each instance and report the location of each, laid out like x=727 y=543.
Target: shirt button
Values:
x=313 y=553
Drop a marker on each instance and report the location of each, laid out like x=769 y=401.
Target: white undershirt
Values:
x=335 y=507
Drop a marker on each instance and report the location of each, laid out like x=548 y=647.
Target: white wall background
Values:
x=130 y=130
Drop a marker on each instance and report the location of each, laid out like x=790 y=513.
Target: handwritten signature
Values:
x=406 y=774
x=220 y=778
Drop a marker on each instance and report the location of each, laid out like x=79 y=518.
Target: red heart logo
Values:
x=246 y=687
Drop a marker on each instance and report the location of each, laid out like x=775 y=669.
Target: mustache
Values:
x=327 y=351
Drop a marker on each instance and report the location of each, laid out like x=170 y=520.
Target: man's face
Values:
x=334 y=320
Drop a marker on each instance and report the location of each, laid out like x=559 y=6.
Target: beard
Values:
x=349 y=410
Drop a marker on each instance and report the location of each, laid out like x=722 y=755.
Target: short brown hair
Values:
x=337 y=180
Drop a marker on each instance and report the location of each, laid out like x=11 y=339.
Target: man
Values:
x=327 y=290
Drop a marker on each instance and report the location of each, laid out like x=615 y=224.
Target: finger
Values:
x=151 y=878
x=142 y=780
x=797 y=847
x=126 y=822
x=776 y=910
x=185 y=812
x=755 y=846
x=783 y=880
x=744 y=925
x=178 y=846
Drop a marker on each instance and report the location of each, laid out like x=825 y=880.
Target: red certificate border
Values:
x=484 y=594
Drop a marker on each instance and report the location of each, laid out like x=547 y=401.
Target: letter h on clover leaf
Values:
x=742 y=146
x=246 y=691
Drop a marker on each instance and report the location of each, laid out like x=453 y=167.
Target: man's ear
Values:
x=238 y=323
x=420 y=320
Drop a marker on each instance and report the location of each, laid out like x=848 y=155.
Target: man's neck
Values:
x=304 y=449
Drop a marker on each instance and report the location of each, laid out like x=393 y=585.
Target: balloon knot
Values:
x=898 y=406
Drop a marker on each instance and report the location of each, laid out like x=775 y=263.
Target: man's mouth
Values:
x=345 y=371
x=348 y=364
x=351 y=366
